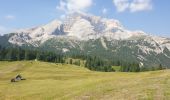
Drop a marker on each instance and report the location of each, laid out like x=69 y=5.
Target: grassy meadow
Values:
x=50 y=81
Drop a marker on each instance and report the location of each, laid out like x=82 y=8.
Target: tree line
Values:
x=18 y=54
x=91 y=62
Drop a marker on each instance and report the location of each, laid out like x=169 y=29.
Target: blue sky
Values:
x=151 y=16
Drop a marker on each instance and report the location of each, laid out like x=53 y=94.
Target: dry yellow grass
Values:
x=49 y=81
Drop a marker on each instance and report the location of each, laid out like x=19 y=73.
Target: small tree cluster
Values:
x=94 y=63
x=130 y=67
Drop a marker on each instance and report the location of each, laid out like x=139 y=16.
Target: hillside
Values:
x=49 y=81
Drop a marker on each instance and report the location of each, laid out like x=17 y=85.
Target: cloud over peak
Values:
x=133 y=5
x=74 y=5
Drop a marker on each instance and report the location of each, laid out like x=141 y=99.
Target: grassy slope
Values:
x=48 y=81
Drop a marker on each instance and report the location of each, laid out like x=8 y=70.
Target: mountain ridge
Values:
x=93 y=35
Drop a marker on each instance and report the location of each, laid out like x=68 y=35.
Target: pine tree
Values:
x=26 y=55
x=18 y=54
x=160 y=67
x=71 y=61
x=9 y=55
x=38 y=56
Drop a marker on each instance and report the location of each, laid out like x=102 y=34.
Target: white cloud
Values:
x=104 y=11
x=74 y=5
x=133 y=5
x=62 y=6
x=140 y=5
x=9 y=17
x=121 y=5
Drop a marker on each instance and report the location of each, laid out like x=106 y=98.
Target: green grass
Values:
x=116 y=68
x=49 y=81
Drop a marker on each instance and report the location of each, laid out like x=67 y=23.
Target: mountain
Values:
x=81 y=33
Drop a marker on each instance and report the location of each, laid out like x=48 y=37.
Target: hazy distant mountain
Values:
x=93 y=35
